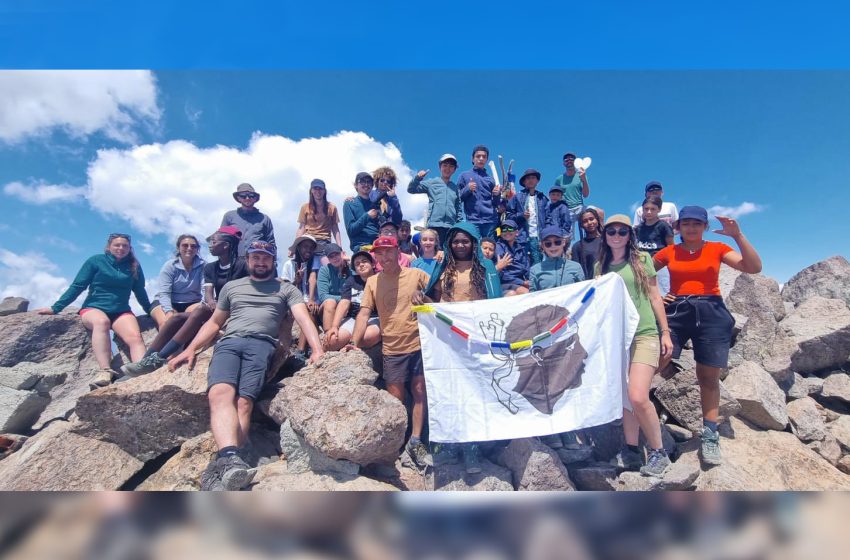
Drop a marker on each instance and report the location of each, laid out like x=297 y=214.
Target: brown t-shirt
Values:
x=391 y=296
x=318 y=225
x=463 y=290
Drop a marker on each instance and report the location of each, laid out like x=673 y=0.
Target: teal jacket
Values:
x=491 y=277
x=445 y=208
x=552 y=273
x=109 y=283
x=329 y=283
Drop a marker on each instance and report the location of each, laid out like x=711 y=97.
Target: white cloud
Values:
x=736 y=211
x=177 y=187
x=30 y=275
x=147 y=248
x=80 y=102
x=42 y=193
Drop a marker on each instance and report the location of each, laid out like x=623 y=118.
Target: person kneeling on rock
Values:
x=253 y=308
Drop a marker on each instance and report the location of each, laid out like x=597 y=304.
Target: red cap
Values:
x=230 y=230
x=385 y=242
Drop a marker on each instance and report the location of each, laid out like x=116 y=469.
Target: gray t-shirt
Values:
x=257 y=308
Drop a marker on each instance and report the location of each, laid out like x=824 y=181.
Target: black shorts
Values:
x=401 y=367
x=241 y=362
x=706 y=321
x=175 y=306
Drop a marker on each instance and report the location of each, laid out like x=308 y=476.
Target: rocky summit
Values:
x=785 y=408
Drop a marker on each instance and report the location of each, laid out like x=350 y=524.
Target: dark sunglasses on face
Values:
x=508 y=229
x=365 y=183
x=553 y=243
x=189 y=245
x=318 y=188
x=386 y=181
x=246 y=195
x=622 y=232
x=117 y=235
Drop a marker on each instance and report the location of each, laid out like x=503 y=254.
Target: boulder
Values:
x=836 y=386
x=12 y=305
x=183 y=470
x=844 y=464
x=534 y=466
x=274 y=477
x=301 y=457
x=762 y=401
x=64 y=396
x=452 y=477
x=149 y=415
x=679 y=433
x=270 y=405
x=829 y=279
x=334 y=369
x=756 y=294
x=840 y=429
x=596 y=476
x=680 y=476
x=29 y=337
x=727 y=278
x=19 y=409
x=828 y=448
x=756 y=460
x=777 y=359
x=679 y=395
x=18 y=378
x=40 y=378
x=802 y=387
x=806 y=421
x=58 y=459
x=821 y=328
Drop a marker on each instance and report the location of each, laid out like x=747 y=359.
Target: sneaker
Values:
x=471 y=458
x=419 y=455
x=710 y=447
x=656 y=464
x=553 y=441
x=211 y=478
x=149 y=363
x=235 y=472
x=627 y=459
x=102 y=378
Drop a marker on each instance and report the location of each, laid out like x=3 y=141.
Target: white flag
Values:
x=529 y=365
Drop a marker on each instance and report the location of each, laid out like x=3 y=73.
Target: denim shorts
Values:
x=706 y=321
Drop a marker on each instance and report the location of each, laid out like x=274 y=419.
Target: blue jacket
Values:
x=491 y=277
x=254 y=225
x=559 y=215
x=479 y=206
x=517 y=271
x=516 y=212
x=361 y=229
x=176 y=284
x=444 y=205
x=393 y=212
x=329 y=283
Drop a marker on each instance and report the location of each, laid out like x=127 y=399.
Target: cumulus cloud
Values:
x=177 y=187
x=32 y=276
x=147 y=248
x=43 y=193
x=736 y=211
x=80 y=102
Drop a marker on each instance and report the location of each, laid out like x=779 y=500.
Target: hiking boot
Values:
x=710 y=447
x=627 y=459
x=471 y=458
x=102 y=378
x=570 y=441
x=656 y=464
x=211 y=477
x=235 y=472
x=553 y=441
x=149 y=363
x=419 y=455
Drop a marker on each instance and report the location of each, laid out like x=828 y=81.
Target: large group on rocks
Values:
x=482 y=238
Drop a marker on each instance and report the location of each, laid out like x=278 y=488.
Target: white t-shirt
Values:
x=531 y=206
x=288 y=273
x=669 y=213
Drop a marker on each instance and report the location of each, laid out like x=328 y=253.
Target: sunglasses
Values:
x=117 y=235
x=262 y=245
x=365 y=182
x=246 y=195
x=189 y=245
x=553 y=243
x=317 y=188
x=386 y=181
x=622 y=232
x=507 y=229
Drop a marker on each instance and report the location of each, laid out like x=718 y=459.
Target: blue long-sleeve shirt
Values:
x=479 y=206
x=329 y=283
x=517 y=271
x=444 y=205
x=559 y=215
x=516 y=212
x=176 y=284
x=361 y=228
x=393 y=212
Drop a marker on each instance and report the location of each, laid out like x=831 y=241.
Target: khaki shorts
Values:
x=646 y=349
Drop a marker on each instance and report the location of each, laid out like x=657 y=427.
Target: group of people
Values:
x=480 y=240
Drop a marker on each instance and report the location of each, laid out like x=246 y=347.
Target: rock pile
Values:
x=785 y=403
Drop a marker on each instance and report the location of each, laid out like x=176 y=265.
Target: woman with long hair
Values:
x=319 y=218
x=695 y=308
x=109 y=278
x=179 y=281
x=181 y=328
x=586 y=249
x=619 y=253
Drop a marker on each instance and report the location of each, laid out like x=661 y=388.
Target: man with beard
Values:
x=251 y=311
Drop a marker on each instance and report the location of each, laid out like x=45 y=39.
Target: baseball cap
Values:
x=551 y=231
x=387 y=222
x=558 y=188
x=362 y=176
x=317 y=183
x=510 y=224
x=230 y=230
x=262 y=247
x=618 y=219
x=366 y=254
x=653 y=186
x=385 y=242
x=332 y=248
x=568 y=154
x=693 y=213
x=447 y=157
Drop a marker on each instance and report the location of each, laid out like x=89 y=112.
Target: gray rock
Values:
x=840 y=430
x=727 y=278
x=19 y=409
x=829 y=278
x=451 y=477
x=844 y=464
x=828 y=448
x=756 y=294
x=680 y=476
x=596 y=477
x=836 y=386
x=803 y=387
x=40 y=378
x=777 y=360
x=534 y=466
x=29 y=337
x=274 y=477
x=606 y=440
x=17 y=378
x=679 y=433
x=12 y=305
x=301 y=457
x=821 y=328
x=64 y=396
x=679 y=395
x=270 y=405
x=336 y=368
x=806 y=421
x=762 y=401
x=572 y=456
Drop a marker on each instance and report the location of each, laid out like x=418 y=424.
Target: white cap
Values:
x=446 y=157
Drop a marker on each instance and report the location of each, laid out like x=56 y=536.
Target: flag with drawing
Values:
x=529 y=365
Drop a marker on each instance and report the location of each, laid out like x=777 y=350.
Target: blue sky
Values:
x=721 y=121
